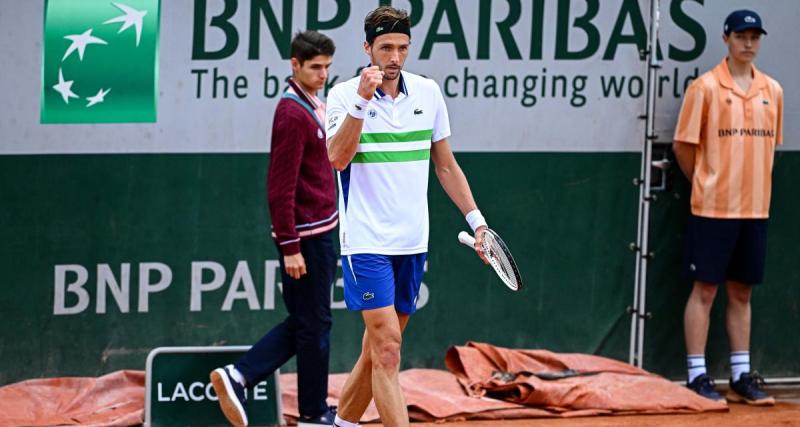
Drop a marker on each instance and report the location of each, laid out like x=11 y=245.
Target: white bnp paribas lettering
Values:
x=75 y=288
x=271 y=267
x=112 y=287
x=146 y=287
x=120 y=289
x=70 y=284
x=241 y=277
x=198 y=286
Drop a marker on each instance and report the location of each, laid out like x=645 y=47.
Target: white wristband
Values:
x=475 y=219
x=359 y=109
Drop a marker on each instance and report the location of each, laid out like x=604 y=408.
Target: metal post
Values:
x=639 y=310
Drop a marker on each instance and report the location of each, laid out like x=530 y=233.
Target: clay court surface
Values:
x=782 y=414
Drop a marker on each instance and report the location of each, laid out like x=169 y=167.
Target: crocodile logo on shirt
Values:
x=417 y=111
x=367 y=296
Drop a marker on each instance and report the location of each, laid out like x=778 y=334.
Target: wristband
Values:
x=359 y=108
x=475 y=219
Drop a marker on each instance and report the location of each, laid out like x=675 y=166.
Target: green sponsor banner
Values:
x=103 y=262
x=100 y=61
x=179 y=392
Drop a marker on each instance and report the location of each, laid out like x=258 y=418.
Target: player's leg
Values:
x=408 y=271
x=384 y=342
x=368 y=286
x=357 y=391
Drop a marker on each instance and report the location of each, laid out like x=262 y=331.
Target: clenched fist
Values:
x=371 y=78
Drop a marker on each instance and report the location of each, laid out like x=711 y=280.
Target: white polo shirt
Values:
x=383 y=192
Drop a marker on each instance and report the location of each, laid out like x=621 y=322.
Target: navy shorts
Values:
x=376 y=281
x=718 y=250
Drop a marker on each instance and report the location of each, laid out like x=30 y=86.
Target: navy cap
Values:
x=741 y=20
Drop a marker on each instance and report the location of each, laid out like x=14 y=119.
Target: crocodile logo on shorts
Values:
x=367 y=296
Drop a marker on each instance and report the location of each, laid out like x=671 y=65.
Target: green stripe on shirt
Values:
x=392 y=156
x=413 y=136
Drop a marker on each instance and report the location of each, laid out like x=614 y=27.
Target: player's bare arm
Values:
x=685 y=154
x=342 y=146
x=455 y=185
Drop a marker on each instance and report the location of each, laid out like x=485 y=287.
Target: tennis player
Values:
x=383 y=129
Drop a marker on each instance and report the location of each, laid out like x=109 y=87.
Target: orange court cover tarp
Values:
x=116 y=399
x=569 y=382
x=489 y=382
x=483 y=382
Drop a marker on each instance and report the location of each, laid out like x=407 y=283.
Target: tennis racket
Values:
x=498 y=255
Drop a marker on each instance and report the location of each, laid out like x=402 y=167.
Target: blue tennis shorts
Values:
x=376 y=281
x=718 y=250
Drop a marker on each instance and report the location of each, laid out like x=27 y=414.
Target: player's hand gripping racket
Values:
x=498 y=255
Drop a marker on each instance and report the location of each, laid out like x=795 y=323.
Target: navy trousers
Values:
x=304 y=333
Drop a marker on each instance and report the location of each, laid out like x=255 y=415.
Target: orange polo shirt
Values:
x=735 y=134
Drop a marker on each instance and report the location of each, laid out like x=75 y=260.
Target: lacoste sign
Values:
x=178 y=392
x=100 y=61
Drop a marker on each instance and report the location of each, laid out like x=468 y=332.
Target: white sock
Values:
x=236 y=375
x=696 y=364
x=740 y=364
x=342 y=423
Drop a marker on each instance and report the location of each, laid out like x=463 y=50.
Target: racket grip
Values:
x=466 y=239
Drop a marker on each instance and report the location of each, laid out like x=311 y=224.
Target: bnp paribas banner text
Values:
x=205 y=75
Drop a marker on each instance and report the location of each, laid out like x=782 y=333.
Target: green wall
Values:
x=567 y=217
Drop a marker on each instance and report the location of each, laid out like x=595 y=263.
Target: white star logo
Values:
x=100 y=97
x=131 y=17
x=79 y=43
x=64 y=88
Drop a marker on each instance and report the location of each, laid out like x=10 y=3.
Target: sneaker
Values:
x=231 y=395
x=749 y=389
x=704 y=386
x=324 y=419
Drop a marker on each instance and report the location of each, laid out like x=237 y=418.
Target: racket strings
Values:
x=501 y=260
